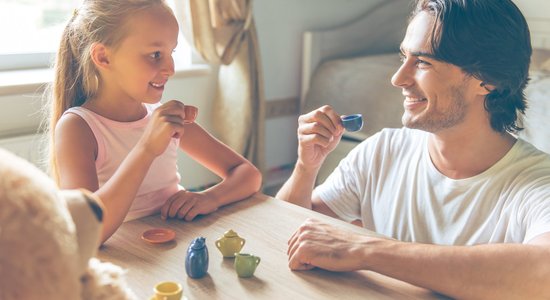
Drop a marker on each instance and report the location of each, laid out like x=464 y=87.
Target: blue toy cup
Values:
x=352 y=122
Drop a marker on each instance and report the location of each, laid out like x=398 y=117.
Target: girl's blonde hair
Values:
x=76 y=78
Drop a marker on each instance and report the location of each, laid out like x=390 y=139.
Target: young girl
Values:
x=110 y=134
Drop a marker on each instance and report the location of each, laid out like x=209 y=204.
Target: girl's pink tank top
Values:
x=114 y=142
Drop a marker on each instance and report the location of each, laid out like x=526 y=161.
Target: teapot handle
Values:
x=218 y=244
x=243 y=241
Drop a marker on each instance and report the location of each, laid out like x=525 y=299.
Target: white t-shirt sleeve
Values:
x=344 y=190
x=538 y=214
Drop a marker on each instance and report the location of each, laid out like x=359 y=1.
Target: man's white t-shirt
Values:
x=390 y=183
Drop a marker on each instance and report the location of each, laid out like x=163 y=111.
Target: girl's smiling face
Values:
x=438 y=95
x=140 y=66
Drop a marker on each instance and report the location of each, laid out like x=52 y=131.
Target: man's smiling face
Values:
x=437 y=94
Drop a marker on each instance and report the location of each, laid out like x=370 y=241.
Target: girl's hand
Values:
x=187 y=205
x=167 y=122
x=318 y=134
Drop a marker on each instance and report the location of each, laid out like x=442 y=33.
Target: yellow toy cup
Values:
x=168 y=290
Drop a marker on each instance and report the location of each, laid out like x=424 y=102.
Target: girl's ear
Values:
x=100 y=55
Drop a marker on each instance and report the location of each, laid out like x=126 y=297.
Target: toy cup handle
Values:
x=191 y=113
x=258 y=260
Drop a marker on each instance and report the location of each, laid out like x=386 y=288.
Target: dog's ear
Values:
x=87 y=213
x=95 y=204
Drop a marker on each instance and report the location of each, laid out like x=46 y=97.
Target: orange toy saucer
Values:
x=158 y=235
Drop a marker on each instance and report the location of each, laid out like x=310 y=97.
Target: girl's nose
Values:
x=168 y=67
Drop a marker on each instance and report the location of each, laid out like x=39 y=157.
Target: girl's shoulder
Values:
x=81 y=119
x=73 y=118
x=74 y=132
x=82 y=112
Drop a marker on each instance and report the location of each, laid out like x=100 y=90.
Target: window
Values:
x=31 y=29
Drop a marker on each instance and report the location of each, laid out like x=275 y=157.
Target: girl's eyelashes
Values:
x=158 y=54
x=155 y=55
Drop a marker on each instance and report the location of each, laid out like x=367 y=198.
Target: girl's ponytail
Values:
x=66 y=90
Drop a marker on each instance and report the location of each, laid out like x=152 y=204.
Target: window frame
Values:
x=25 y=61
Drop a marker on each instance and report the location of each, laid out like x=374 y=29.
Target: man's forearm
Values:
x=299 y=187
x=495 y=271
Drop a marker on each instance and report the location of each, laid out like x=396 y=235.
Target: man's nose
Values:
x=403 y=77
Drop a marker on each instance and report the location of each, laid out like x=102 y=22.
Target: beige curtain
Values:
x=224 y=33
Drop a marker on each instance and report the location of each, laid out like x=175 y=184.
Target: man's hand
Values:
x=485 y=271
x=187 y=205
x=317 y=244
x=318 y=134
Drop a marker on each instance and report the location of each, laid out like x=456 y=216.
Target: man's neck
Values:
x=460 y=154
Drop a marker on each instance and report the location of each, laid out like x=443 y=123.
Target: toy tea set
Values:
x=196 y=263
x=230 y=244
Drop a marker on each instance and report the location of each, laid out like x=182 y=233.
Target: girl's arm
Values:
x=240 y=178
x=76 y=150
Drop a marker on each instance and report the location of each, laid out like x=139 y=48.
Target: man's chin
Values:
x=408 y=121
x=412 y=123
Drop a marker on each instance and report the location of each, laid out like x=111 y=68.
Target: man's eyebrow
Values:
x=419 y=53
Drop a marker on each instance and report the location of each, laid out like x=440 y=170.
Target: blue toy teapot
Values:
x=196 y=261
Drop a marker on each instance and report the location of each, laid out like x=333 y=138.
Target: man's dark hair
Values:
x=490 y=40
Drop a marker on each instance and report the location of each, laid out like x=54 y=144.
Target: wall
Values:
x=537 y=13
x=280 y=25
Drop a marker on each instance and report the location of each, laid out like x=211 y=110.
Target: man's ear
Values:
x=485 y=88
x=100 y=55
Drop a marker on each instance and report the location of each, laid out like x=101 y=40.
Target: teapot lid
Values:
x=198 y=243
x=230 y=233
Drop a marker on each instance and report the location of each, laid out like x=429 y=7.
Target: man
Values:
x=467 y=205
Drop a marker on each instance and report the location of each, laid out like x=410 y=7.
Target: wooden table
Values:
x=266 y=224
